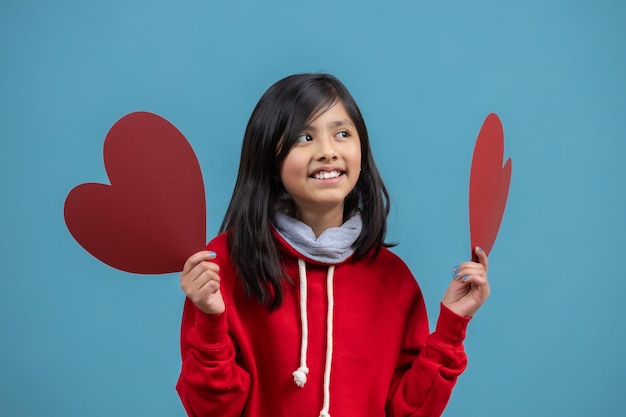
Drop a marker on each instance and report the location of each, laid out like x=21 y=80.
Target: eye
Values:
x=342 y=134
x=304 y=138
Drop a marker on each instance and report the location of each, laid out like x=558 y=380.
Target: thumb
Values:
x=482 y=257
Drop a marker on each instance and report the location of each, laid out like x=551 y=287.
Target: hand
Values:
x=201 y=283
x=469 y=288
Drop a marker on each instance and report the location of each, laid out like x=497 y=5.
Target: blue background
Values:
x=78 y=338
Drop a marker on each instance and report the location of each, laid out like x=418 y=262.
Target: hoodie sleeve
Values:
x=428 y=365
x=211 y=382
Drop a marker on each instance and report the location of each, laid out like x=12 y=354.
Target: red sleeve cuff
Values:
x=212 y=328
x=451 y=328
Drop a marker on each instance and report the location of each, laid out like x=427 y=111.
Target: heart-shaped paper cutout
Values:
x=153 y=215
x=489 y=185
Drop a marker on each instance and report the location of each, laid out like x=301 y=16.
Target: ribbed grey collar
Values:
x=333 y=246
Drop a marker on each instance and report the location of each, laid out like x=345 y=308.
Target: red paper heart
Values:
x=153 y=215
x=489 y=185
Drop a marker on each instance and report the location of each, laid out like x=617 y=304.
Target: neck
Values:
x=319 y=222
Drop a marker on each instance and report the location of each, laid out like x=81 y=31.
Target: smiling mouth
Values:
x=326 y=175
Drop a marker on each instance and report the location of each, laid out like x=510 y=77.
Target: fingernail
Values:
x=212 y=254
x=456 y=268
x=465 y=278
x=479 y=249
x=455 y=275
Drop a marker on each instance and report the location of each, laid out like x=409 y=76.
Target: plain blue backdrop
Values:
x=78 y=338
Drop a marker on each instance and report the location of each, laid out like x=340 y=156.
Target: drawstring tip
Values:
x=299 y=376
x=324 y=414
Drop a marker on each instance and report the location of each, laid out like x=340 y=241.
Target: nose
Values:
x=326 y=150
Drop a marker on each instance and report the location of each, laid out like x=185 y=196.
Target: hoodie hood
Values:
x=332 y=247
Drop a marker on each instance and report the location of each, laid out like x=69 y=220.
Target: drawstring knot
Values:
x=299 y=376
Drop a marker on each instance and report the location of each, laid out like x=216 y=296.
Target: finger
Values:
x=480 y=286
x=204 y=294
x=476 y=279
x=200 y=276
x=199 y=266
x=204 y=267
x=467 y=270
x=471 y=267
x=211 y=287
x=196 y=258
x=198 y=269
x=482 y=257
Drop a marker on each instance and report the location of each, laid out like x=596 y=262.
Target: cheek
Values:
x=293 y=169
x=356 y=159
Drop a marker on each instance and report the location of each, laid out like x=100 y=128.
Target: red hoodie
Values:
x=369 y=354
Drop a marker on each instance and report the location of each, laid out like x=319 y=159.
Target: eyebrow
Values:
x=334 y=124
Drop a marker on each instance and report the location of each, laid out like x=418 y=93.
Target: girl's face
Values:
x=324 y=165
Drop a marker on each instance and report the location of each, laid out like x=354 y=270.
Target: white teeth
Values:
x=326 y=175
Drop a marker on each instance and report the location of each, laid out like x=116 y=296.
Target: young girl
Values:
x=298 y=308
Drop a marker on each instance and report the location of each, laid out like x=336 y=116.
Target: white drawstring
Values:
x=329 y=341
x=300 y=375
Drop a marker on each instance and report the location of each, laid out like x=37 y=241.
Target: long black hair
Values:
x=275 y=124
